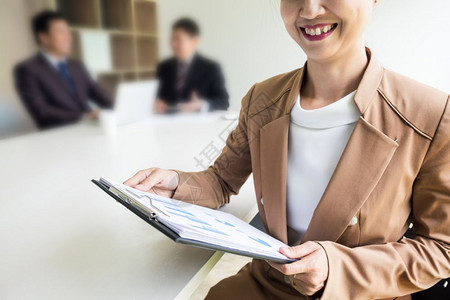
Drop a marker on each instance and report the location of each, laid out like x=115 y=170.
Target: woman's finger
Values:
x=300 y=250
x=138 y=177
x=292 y=268
x=148 y=183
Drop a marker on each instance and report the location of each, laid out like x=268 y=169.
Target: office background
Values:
x=249 y=40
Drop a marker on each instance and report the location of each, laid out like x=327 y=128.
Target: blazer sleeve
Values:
x=214 y=186
x=410 y=264
x=217 y=94
x=95 y=92
x=34 y=100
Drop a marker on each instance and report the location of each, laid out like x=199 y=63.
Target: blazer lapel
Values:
x=57 y=77
x=190 y=74
x=273 y=154
x=273 y=141
x=75 y=76
x=363 y=162
x=365 y=157
x=172 y=76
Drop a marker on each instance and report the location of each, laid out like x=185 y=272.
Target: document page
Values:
x=203 y=224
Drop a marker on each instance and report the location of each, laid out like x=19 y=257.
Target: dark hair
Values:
x=41 y=22
x=188 y=25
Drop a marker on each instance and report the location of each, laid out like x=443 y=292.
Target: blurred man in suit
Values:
x=54 y=89
x=189 y=82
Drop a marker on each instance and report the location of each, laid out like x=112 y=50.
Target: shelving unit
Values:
x=146 y=75
x=83 y=13
x=132 y=29
x=117 y=14
x=146 y=45
x=129 y=76
x=109 y=82
x=76 y=46
x=143 y=9
x=122 y=51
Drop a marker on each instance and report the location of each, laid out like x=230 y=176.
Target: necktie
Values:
x=181 y=77
x=64 y=72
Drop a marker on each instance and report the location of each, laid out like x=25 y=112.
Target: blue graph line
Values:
x=165 y=202
x=210 y=229
x=260 y=241
x=179 y=210
x=190 y=218
x=225 y=223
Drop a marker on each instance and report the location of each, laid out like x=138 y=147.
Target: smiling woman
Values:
x=305 y=21
x=342 y=163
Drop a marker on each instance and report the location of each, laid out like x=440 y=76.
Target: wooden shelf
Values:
x=83 y=13
x=76 y=46
x=146 y=48
x=130 y=76
x=116 y=14
x=122 y=51
x=145 y=16
x=147 y=75
x=113 y=31
x=109 y=82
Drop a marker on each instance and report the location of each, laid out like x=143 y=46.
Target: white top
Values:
x=317 y=138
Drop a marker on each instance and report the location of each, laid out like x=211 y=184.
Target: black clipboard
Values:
x=175 y=237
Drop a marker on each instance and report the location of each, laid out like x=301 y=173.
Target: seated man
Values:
x=188 y=81
x=54 y=89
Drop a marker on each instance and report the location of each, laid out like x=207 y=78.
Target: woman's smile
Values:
x=317 y=32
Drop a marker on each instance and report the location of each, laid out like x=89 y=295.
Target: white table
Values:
x=61 y=237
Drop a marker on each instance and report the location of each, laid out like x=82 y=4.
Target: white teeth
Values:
x=318 y=31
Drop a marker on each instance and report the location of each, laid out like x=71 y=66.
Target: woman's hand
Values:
x=311 y=271
x=158 y=181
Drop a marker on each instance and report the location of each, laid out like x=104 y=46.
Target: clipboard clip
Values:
x=150 y=201
x=152 y=213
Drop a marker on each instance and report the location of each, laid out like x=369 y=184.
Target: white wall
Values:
x=249 y=39
x=17 y=43
x=413 y=37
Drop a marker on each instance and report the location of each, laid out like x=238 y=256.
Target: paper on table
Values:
x=207 y=225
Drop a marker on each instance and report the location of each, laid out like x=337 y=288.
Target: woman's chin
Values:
x=318 y=53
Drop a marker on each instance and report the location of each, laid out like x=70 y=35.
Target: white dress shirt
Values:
x=54 y=62
x=317 y=138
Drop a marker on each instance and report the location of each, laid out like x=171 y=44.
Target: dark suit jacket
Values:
x=48 y=98
x=204 y=76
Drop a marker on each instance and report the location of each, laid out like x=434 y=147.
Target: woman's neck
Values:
x=328 y=81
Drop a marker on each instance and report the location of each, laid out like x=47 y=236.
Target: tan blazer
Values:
x=394 y=170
